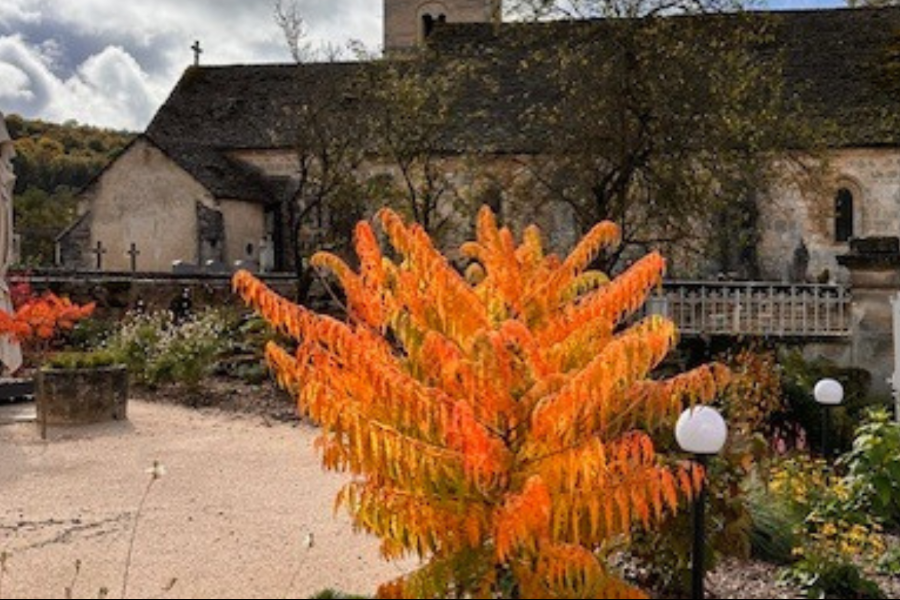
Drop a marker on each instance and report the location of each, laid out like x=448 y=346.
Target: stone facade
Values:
x=145 y=199
x=404 y=20
x=245 y=224
x=72 y=245
x=874 y=268
x=791 y=214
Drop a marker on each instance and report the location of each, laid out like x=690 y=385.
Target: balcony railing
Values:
x=754 y=308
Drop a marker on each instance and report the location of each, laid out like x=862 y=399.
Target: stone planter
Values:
x=84 y=395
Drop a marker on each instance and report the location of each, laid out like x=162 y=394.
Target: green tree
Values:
x=324 y=197
x=413 y=124
x=322 y=201
x=52 y=163
x=665 y=118
x=39 y=218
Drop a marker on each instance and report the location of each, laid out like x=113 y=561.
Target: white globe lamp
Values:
x=701 y=430
x=828 y=392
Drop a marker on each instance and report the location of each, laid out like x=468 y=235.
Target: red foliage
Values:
x=40 y=318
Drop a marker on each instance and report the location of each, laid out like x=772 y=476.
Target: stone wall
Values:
x=792 y=213
x=244 y=230
x=74 y=244
x=143 y=198
x=116 y=293
x=403 y=18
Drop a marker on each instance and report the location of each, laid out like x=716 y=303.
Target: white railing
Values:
x=754 y=308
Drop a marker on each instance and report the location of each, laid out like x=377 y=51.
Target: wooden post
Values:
x=895 y=378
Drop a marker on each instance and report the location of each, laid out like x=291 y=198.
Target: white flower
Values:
x=157 y=470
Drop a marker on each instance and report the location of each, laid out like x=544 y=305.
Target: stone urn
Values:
x=74 y=396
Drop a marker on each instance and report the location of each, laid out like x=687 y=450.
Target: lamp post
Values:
x=700 y=430
x=829 y=393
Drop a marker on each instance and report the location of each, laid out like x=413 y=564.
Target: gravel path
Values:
x=231 y=518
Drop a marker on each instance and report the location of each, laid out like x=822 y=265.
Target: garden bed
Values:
x=227 y=394
x=732 y=578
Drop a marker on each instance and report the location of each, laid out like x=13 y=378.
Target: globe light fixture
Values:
x=829 y=393
x=700 y=430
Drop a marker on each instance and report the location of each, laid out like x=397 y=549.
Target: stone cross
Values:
x=99 y=251
x=133 y=252
x=197 y=52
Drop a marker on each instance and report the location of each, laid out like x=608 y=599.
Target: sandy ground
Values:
x=231 y=517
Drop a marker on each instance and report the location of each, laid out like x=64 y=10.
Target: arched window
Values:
x=427 y=25
x=429 y=21
x=843 y=215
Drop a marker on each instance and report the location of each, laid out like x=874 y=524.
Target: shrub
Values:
x=158 y=350
x=835 y=537
x=329 y=594
x=82 y=360
x=91 y=333
x=873 y=467
x=824 y=576
x=496 y=424
x=802 y=413
x=38 y=321
x=774 y=534
x=748 y=402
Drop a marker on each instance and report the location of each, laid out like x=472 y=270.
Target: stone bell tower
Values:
x=408 y=22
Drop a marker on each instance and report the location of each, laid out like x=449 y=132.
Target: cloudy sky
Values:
x=111 y=63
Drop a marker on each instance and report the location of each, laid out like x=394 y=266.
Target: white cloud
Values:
x=16 y=11
x=35 y=85
x=112 y=62
x=14 y=83
x=108 y=89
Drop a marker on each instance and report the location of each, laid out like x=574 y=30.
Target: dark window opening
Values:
x=249 y=249
x=843 y=215
x=492 y=196
x=428 y=23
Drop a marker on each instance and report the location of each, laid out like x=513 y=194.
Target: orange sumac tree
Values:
x=495 y=423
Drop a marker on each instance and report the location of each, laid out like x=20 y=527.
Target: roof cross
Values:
x=197 y=52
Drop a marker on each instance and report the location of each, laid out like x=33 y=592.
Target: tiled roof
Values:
x=837 y=61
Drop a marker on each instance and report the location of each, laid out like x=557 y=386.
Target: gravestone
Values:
x=180 y=267
x=247 y=265
x=216 y=266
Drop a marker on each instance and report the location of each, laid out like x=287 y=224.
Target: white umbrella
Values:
x=10 y=351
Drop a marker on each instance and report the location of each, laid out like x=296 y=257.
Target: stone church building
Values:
x=201 y=185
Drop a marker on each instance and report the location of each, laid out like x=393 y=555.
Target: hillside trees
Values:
x=495 y=424
x=52 y=163
x=673 y=134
